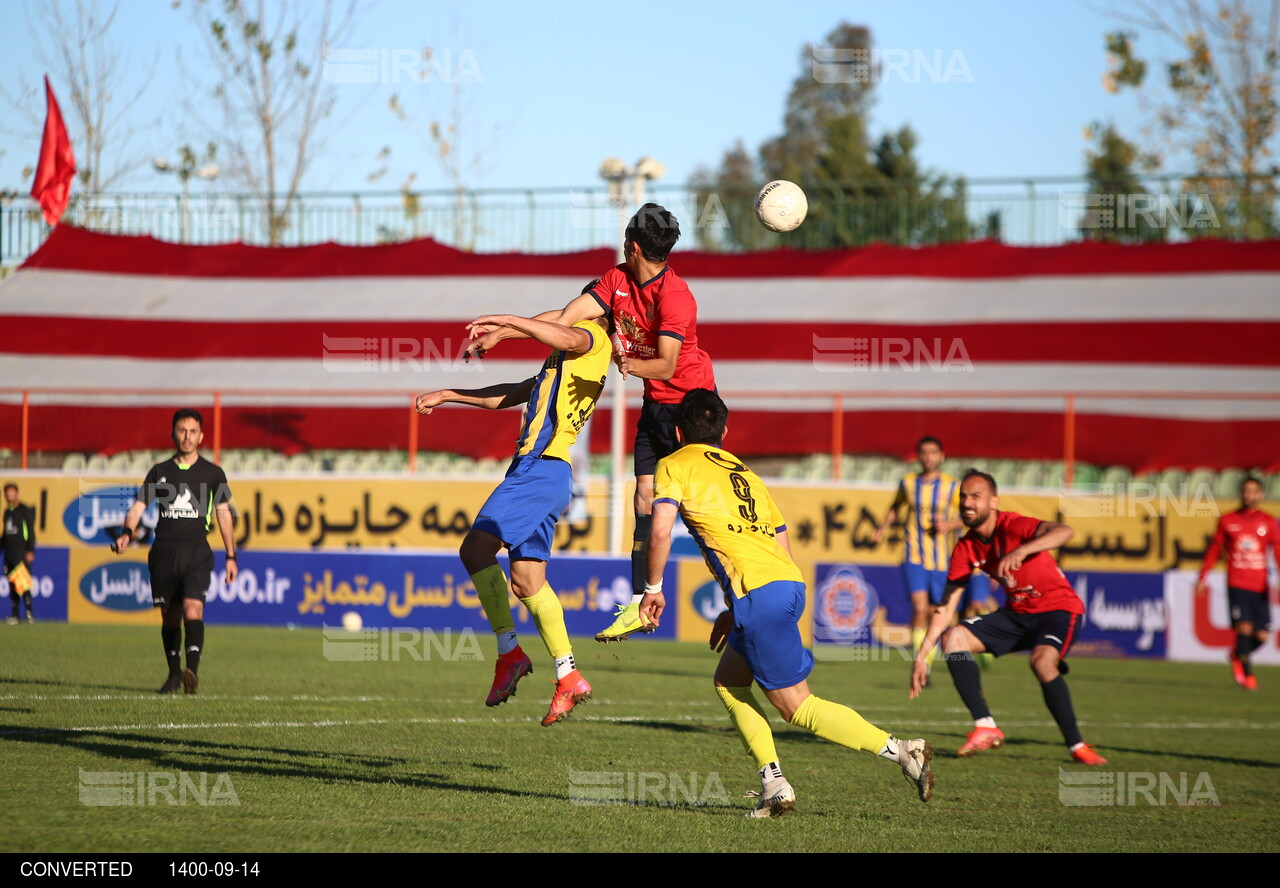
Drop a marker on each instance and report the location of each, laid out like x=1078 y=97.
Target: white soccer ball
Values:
x=351 y=621
x=781 y=205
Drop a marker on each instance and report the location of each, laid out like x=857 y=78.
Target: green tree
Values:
x=1111 y=170
x=860 y=190
x=1216 y=102
x=267 y=79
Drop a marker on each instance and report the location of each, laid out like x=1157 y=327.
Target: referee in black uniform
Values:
x=190 y=492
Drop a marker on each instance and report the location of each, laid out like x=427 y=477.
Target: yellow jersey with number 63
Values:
x=729 y=513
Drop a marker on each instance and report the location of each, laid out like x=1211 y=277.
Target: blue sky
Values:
x=555 y=87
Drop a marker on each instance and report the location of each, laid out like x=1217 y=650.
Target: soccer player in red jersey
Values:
x=655 y=321
x=1245 y=534
x=1041 y=616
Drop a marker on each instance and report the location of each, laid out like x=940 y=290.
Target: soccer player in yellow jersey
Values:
x=521 y=513
x=932 y=498
x=744 y=541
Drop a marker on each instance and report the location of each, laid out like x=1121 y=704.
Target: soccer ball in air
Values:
x=351 y=621
x=781 y=205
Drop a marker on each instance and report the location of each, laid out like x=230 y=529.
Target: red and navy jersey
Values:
x=1246 y=534
x=642 y=312
x=1038 y=586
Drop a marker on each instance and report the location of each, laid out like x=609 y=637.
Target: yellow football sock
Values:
x=839 y=724
x=491 y=589
x=548 y=616
x=749 y=720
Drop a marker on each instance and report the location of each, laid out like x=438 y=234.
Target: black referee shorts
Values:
x=179 y=570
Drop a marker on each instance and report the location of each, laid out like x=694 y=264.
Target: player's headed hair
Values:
x=929 y=439
x=10 y=486
x=974 y=473
x=654 y=230
x=702 y=417
x=1250 y=480
x=187 y=413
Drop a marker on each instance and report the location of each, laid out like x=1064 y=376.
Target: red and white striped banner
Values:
x=977 y=344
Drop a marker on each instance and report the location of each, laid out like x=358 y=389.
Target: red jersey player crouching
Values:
x=1245 y=534
x=1041 y=617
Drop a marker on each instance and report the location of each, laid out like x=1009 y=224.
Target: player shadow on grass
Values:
x=1141 y=756
x=79 y=685
x=182 y=754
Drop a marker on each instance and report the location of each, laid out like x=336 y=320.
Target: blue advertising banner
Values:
x=1125 y=615
x=860 y=605
x=868 y=605
x=407 y=589
x=48 y=585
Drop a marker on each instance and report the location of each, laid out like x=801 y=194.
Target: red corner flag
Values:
x=52 y=186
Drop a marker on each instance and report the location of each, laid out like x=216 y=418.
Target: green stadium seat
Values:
x=1227 y=485
x=74 y=462
x=1200 y=482
x=1115 y=475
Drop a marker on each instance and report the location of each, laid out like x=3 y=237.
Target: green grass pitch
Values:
x=285 y=750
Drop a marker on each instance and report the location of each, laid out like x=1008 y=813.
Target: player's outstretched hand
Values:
x=427 y=402
x=919 y=675
x=651 y=608
x=720 y=631
x=1010 y=563
x=620 y=356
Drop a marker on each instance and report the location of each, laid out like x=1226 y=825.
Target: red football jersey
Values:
x=659 y=307
x=1246 y=533
x=1038 y=586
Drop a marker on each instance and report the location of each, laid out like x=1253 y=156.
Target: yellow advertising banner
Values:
x=825 y=524
x=310 y=513
x=111 y=589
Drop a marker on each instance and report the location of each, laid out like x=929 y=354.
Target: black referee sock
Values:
x=640 y=546
x=1058 y=698
x=968 y=678
x=195 y=643
x=26 y=599
x=172 y=639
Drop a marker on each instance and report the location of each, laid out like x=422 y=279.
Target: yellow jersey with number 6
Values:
x=730 y=515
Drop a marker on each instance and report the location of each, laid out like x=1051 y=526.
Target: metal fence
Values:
x=1042 y=210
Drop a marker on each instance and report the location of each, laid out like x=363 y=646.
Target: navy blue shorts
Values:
x=1249 y=607
x=766 y=632
x=1006 y=631
x=917 y=579
x=523 y=509
x=655 y=435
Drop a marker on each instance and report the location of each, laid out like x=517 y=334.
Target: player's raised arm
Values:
x=493 y=397
x=549 y=333
x=486 y=336
x=1048 y=536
